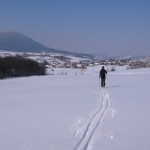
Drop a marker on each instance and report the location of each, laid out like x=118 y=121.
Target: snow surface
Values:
x=70 y=111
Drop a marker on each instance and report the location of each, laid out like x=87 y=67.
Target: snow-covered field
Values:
x=69 y=111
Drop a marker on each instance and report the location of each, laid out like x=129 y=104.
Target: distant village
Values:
x=52 y=60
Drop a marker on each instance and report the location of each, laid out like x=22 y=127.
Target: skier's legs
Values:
x=102 y=82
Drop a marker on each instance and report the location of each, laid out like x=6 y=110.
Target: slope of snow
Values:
x=69 y=111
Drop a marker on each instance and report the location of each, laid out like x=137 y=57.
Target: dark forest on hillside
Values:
x=18 y=66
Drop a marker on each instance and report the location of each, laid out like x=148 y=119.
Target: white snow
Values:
x=70 y=111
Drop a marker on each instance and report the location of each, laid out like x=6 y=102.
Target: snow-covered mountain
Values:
x=17 y=42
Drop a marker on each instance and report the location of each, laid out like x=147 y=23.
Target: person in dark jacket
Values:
x=102 y=75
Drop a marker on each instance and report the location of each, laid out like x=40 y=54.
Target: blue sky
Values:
x=113 y=27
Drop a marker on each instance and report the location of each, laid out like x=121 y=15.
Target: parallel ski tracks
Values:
x=93 y=123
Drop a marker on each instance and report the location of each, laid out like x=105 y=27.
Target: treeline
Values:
x=18 y=66
x=138 y=64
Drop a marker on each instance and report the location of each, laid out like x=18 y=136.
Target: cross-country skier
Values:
x=102 y=75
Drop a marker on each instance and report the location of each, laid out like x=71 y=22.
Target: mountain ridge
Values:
x=18 y=42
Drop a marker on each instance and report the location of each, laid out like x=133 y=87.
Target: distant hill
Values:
x=17 y=42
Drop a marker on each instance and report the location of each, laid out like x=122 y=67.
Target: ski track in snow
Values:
x=94 y=122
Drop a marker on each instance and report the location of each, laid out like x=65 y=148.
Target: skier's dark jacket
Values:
x=103 y=73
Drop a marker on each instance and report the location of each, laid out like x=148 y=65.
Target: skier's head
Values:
x=102 y=67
